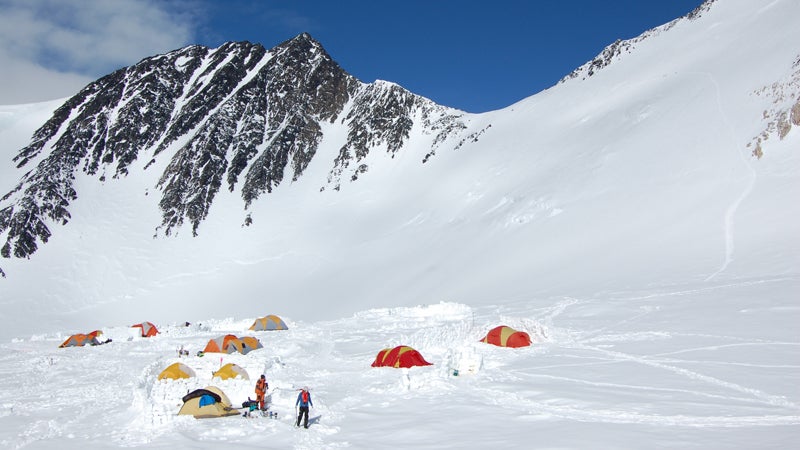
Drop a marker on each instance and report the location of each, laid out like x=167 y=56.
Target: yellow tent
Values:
x=206 y=403
x=176 y=371
x=231 y=370
x=269 y=323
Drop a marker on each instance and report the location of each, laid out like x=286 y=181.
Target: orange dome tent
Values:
x=269 y=323
x=504 y=336
x=79 y=340
x=148 y=329
x=220 y=344
x=401 y=356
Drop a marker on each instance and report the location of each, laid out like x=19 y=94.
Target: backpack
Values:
x=305 y=396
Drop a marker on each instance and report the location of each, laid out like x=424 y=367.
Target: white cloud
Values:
x=51 y=48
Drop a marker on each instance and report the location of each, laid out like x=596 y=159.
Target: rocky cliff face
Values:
x=238 y=117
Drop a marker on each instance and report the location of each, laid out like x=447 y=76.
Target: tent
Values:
x=148 y=329
x=504 y=336
x=206 y=403
x=243 y=345
x=248 y=344
x=402 y=356
x=220 y=344
x=176 y=371
x=231 y=370
x=79 y=340
x=269 y=323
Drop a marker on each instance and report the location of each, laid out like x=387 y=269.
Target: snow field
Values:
x=619 y=366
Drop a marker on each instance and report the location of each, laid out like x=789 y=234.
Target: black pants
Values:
x=303 y=413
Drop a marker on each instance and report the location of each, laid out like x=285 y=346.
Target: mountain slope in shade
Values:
x=207 y=182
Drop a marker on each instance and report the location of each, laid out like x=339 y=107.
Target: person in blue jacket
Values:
x=304 y=400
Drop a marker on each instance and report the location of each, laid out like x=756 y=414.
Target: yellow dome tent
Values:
x=176 y=371
x=231 y=370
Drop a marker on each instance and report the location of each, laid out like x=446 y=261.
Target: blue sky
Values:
x=472 y=55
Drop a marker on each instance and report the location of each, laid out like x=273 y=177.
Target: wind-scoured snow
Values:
x=640 y=223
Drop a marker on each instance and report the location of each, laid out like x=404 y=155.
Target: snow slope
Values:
x=621 y=219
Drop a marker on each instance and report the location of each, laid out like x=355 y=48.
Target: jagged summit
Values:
x=303 y=46
x=302 y=39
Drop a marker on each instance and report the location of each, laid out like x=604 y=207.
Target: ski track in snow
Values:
x=766 y=398
x=730 y=213
x=626 y=417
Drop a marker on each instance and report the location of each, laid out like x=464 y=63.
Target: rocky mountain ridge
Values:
x=620 y=47
x=238 y=116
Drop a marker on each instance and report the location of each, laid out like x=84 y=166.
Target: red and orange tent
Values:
x=401 y=356
x=504 y=336
x=148 y=329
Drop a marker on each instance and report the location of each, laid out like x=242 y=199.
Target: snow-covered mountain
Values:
x=286 y=178
x=638 y=218
x=238 y=117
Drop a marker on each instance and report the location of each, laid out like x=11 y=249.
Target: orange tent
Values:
x=504 y=336
x=79 y=340
x=221 y=344
x=148 y=329
x=402 y=356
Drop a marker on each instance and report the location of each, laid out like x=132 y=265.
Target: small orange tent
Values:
x=401 y=356
x=148 y=329
x=220 y=344
x=79 y=340
x=504 y=336
x=269 y=323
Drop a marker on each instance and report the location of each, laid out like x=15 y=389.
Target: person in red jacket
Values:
x=304 y=400
x=261 y=391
